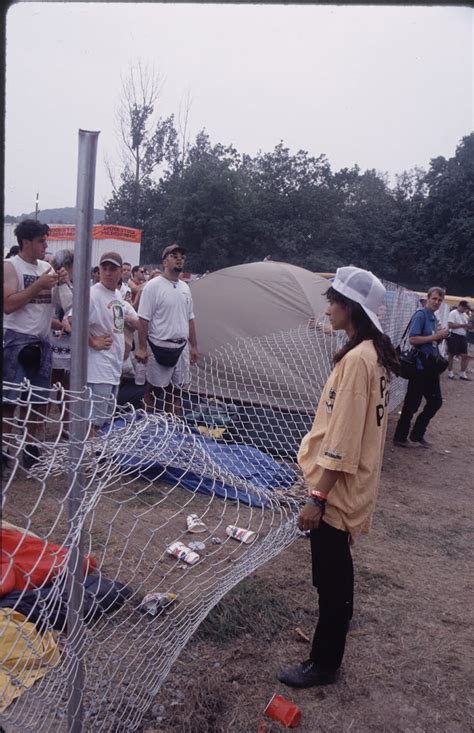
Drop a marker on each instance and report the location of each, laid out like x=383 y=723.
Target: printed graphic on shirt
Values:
x=332 y=454
x=43 y=297
x=118 y=316
x=330 y=400
x=384 y=399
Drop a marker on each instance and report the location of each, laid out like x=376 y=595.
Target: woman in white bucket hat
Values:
x=341 y=459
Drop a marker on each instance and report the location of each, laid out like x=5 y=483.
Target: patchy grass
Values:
x=252 y=607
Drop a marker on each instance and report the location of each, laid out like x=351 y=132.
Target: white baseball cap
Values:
x=363 y=287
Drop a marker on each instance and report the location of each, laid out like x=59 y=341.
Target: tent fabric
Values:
x=239 y=313
x=47 y=607
x=29 y=562
x=25 y=655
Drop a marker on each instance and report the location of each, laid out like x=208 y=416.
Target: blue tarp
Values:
x=244 y=462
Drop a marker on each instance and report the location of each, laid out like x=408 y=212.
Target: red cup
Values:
x=284 y=711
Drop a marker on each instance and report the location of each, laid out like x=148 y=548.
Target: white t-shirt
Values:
x=35 y=317
x=457 y=317
x=107 y=311
x=168 y=306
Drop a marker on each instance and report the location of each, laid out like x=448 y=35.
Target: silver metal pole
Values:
x=78 y=423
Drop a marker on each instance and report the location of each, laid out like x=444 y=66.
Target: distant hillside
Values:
x=66 y=215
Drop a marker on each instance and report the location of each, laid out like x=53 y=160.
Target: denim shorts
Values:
x=17 y=390
x=103 y=402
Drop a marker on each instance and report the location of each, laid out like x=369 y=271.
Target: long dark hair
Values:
x=364 y=329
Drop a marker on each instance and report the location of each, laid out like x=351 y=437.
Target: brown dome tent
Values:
x=258 y=345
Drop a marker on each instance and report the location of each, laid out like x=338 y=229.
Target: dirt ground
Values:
x=408 y=662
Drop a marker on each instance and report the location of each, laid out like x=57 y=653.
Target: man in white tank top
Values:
x=30 y=294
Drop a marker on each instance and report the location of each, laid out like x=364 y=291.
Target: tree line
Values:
x=228 y=207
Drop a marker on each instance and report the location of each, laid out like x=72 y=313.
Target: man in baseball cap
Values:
x=172 y=249
x=166 y=334
x=112 y=257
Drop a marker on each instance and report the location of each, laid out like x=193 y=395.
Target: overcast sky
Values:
x=383 y=87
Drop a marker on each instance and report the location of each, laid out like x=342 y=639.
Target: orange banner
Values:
x=99 y=231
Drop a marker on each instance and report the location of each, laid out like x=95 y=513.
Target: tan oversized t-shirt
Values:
x=348 y=435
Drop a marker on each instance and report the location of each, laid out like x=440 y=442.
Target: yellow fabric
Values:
x=348 y=435
x=215 y=433
x=25 y=655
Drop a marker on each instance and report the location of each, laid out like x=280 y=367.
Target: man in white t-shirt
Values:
x=166 y=325
x=30 y=294
x=108 y=313
x=458 y=321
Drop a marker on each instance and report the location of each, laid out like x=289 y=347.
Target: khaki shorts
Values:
x=161 y=376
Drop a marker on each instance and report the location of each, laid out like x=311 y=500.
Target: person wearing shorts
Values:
x=31 y=290
x=458 y=323
x=108 y=312
x=166 y=334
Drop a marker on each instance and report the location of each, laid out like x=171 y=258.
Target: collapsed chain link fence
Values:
x=228 y=457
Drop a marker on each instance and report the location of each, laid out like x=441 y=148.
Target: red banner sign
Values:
x=99 y=231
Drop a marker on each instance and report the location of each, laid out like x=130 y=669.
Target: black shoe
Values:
x=306 y=674
x=31 y=455
x=421 y=441
x=404 y=444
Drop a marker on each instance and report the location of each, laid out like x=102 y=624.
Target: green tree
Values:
x=447 y=218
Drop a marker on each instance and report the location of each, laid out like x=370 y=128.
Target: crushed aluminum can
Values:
x=216 y=540
x=153 y=603
x=182 y=552
x=243 y=535
x=197 y=546
x=195 y=524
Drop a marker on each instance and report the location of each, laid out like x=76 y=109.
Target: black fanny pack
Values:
x=167 y=357
x=30 y=357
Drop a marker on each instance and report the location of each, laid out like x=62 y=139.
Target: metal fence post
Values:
x=78 y=424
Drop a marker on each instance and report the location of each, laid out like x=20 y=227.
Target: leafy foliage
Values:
x=227 y=208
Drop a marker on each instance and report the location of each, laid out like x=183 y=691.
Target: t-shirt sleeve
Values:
x=190 y=307
x=416 y=328
x=341 y=446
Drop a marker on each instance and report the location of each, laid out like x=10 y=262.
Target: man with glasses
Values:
x=166 y=334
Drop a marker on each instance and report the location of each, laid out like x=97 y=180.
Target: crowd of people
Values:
x=139 y=323
x=141 y=328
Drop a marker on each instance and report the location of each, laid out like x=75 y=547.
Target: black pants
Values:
x=423 y=385
x=333 y=576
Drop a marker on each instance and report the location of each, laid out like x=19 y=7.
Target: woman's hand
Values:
x=309 y=517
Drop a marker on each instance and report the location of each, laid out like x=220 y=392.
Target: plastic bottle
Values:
x=140 y=372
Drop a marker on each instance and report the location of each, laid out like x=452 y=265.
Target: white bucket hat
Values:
x=363 y=287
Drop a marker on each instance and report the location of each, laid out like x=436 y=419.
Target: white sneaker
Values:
x=450 y=375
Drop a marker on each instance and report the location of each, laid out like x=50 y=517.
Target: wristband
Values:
x=318 y=495
x=317 y=502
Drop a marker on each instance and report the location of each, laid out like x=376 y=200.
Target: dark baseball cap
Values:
x=112 y=257
x=172 y=248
